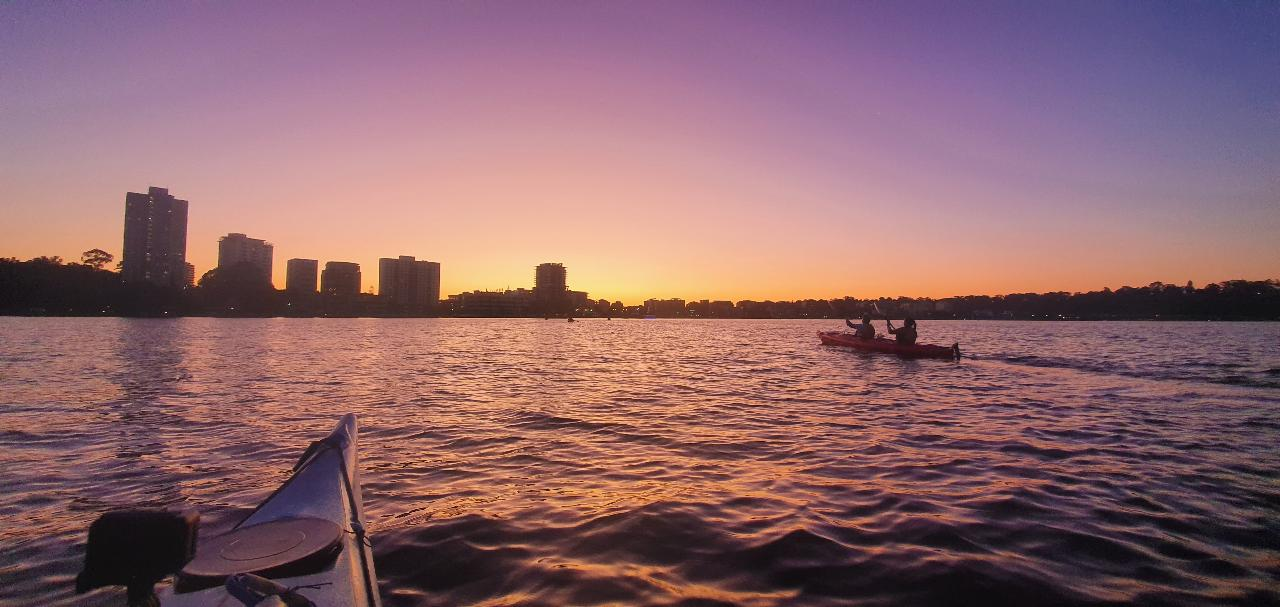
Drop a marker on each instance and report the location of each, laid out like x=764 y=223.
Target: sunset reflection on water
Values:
x=674 y=462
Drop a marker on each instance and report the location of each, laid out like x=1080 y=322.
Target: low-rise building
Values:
x=667 y=308
x=300 y=275
x=234 y=249
x=517 y=302
x=340 y=279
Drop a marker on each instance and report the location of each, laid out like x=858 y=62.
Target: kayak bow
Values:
x=305 y=544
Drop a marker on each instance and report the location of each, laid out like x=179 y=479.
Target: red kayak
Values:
x=888 y=346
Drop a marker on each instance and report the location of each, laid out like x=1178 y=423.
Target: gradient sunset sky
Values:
x=723 y=150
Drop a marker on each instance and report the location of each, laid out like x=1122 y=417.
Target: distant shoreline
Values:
x=49 y=287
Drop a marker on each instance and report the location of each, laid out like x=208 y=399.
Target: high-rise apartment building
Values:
x=238 y=248
x=341 y=278
x=300 y=275
x=406 y=282
x=155 y=238
x=549 y=284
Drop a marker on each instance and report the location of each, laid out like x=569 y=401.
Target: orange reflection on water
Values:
x=653 y=462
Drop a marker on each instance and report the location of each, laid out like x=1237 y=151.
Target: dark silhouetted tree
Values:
x=96 y=258
x=237 y=290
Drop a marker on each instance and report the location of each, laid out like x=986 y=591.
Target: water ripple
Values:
x=525 y=462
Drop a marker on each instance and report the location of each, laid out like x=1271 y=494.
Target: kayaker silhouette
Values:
x=906 y=334
x=864 y=330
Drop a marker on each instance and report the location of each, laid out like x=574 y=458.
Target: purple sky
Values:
x=695 y=149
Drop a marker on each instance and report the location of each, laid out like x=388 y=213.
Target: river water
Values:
x=674 y=462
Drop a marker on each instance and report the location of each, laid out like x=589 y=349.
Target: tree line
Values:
x=1229 y=300
x=50 y=286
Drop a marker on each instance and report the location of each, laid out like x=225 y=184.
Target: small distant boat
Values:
x=888 y=346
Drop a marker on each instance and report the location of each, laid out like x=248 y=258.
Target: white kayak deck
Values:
x=318 y=490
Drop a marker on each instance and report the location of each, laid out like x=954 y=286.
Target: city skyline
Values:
x=721 y=151
x=238 y=247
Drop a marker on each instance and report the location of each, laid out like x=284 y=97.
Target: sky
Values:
x=717 y=150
